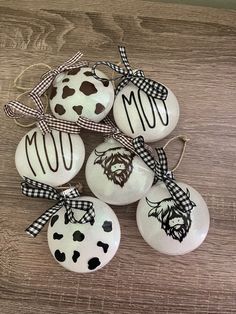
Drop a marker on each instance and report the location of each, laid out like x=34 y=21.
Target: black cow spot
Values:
x=105 y=246
x=57 y=236
x=66 y=219
x=78 y=236
x=60 y=256
x=87 y=88
x=73 y=71
x=78 y=109
x=75 y=256
x=67 y=92
x=65 y=80
x=93 y=263
x=88 y=73
x=53 y=92
x=105 y=82
x=59 y=109
x=92 y=221
x=54 y=219
x=99 y=108
x=107 y=226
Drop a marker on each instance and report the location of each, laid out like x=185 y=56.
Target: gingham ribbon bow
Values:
x=150 y=87
x=45 y=122
x=109 y=129
x=160 y=169
x=37 y=189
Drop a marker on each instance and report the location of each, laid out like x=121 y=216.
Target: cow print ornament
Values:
x=137 y=113
x=77 y=93
x=168 y=228
x=116 y=175
x=54 y=158
x=84 y=247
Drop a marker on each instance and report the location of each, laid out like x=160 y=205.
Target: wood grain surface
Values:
x=191 y=50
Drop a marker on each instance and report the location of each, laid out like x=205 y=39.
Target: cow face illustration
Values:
x=175 y=221
x=117 y=164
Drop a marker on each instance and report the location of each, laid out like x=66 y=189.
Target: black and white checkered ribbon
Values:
x=160 y=169
x=150 y=87
x=45 y=122
x=109 y=129
x=37 y=189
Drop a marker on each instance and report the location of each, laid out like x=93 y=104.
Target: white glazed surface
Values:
x=88 y=247
x=104 y=96
x=150 y=134
x=32 y=168
x=137 y=185
x=156 y=237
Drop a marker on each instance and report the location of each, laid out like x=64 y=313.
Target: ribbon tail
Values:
x=124 y=57
x=180 y=197
x=139 y=146
x=162 y=159
x=12 y=107
x=41 y=87
x=88 y=216
x=40 y=222
x=73 y=59
x=121 y=85
x=80 y=205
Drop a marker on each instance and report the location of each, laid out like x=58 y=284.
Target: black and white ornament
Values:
x=168 y=228
x=172 y=217
x=77 y=93
x=136 y=113
x=116 y=175
x=142 y=106
x=54 y=158
x=86 y=247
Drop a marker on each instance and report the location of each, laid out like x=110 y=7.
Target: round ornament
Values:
x=137 y=113
x=54 y=158
x=168 y=228
x=77 y=93
x=116 y=175
x=84 y=247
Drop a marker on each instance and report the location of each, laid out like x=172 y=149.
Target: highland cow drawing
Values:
x=117 y=164
x=175 y=221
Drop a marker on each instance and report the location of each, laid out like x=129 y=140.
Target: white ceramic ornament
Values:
x=77 y=93
x=136 y=113
x=116 y=175
x=168 y=229
x=84 y=247
x=54 y=158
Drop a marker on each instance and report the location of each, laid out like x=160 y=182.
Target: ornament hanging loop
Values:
x=25 y=91
x=16 y=80
x=185 y=140
x=78 y=186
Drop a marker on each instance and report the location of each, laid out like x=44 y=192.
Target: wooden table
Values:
x=191 y=50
